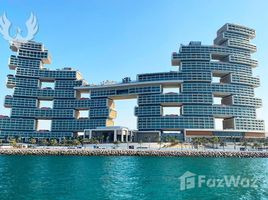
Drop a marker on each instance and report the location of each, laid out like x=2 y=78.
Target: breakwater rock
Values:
x=117 y=152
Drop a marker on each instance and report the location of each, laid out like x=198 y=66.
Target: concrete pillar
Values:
x=127 y=135
x=90 y=134
x=130 y=135
x=122 y=136
x=115 y=136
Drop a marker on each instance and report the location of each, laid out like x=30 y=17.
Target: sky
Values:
x=112 y=39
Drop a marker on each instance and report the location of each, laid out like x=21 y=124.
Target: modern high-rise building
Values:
x=211 y=94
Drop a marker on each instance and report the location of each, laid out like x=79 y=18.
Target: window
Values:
x=124 y=91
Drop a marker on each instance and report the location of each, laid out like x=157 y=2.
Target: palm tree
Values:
x=18 y=139
x=160 y=142
x=9 y=138
x=43 y=142
x=102 y=138
x=75 y=142
x=196 y=142
x=32 y=140
x=168 y=138
x=91 y=141
x=245 y=143
x=96 y=140
x=70 y=141
x=173 y=141
x=203 y=141
x=64 y=141
x=256 y=145
x=110 y=139
x=234 y=141
x=222 y=143
x=215 y=140
x=81 y=140
x=13 y=142
x=53 y=142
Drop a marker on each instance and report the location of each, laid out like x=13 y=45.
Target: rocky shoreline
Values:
x=114 y=152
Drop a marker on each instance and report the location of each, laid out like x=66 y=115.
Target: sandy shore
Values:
x=114 y=152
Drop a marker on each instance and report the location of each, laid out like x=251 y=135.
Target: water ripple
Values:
x=116 y=178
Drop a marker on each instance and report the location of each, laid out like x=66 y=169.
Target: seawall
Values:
x=114 y=152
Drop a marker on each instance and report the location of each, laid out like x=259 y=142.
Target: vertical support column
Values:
x=90 y=134
x=131 y=136
x=127 y=135
x=122 y=135
x=185 y=139
x=115 y=136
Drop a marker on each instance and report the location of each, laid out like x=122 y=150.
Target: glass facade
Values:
x=175 y=99
x=28 y=64
x=216 y=67
x=81 y=103
x=183 y=76
x=228 y=60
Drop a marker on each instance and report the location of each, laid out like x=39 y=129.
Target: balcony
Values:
x=242 y=45
x=8 y=101
x=11 y=81
x=243 y=60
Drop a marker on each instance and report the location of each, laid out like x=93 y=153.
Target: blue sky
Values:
x=113 y=39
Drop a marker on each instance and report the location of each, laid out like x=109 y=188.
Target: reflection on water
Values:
x=69 y=178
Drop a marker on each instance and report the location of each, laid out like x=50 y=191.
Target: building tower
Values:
x=213 y=85
x=35 y=87
x=229 y=62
